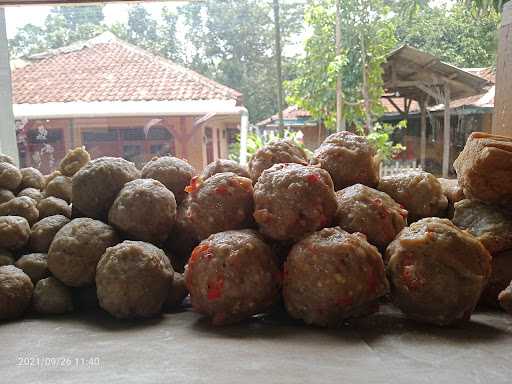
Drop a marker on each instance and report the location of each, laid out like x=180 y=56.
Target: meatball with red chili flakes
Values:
x=232 y=275
x=500 y=278
x=349 y=159
x=437 y=272
x=277 y=152
x=366 y=210
x=220 y=203
x=292 y=200
x=505 y=298
x=224 y=165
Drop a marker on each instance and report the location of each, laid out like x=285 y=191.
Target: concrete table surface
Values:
x=92 y=347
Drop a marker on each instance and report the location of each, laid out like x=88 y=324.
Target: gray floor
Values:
x=183 y=348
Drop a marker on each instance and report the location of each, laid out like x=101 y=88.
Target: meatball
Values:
x=332 y=275
x=10 y=177
x=15 y=292
x=34 y=194
x=505 y=299
x=350 y=159
x=5 y=195
x=51 y=297
x=419 y=192
x=172 y=172
x=281 y=151
x=14 y=232
x=177 y=292
x=21 y=206
x=224 y=165
x=43 y=232
x=60 y=187
x=220 y=203
x=181 y=241
x=50 y=177
x=484 y=168
x=501 y=275
x=6 y=159
x=133 y=280
x=489 y=224
x=366 y=210
x=6 y=257
x=35 y=265
x=96 y=185
x=232 y=275
x=292 y=200
x=74 y=160
x=77 y=248
x=144 y=210
x=437 y=272
x=31 y=178
x=52 y=206
x=453 y=193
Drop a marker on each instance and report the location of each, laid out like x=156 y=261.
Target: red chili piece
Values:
x=222 y=190
x=313 y=178
x=194 y=185
x=411 y=280
x=215 y=289
x=198 y=251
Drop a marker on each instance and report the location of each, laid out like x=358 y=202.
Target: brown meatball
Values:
x=437 y=272
x=133 y=280
x=10 y=177
x=349 y=159
x=21 y=206
x=232 y=275
x=366 y=210
x=177 y=292
x=281 y=151
x=224 y=165
x=15 y=292
x=51 y=297
x=77 y=248
x=172 y=172
x=419 y=192
x=139 y=200
x=74 y=160
x=182 y=240
x=501 y=276
x=52 y=206
x=505 y=298
x=6 y=195
x=31 y=178
x=96 y=185
x=451 y=189
x=484 y=168
x=220 y=203
x=14 y=232
x=35 y=265
x=332 y=275
x=43 y=232
x=6 y=159
x=60 y=187
x=50 y=177
x=292 y=200
x=488 y=223
x=34 y=194
x=6 y=257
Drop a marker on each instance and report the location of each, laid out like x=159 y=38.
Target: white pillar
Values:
x=244 y=128
x=8 y=143
x=447 y=131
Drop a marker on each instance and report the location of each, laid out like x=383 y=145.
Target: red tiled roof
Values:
x=109 y=69
x=289 y=113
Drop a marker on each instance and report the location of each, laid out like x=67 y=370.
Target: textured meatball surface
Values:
x=6 y=257
x=10 y=176
x=6 y=195
x=224 y=165
x=77 y=248
x=15 y=292
x=144 y=210
x=437 y=272
x=74 y=160
x=177 y=292
x=419 y=192
x=277 y=152
x=292 y=200
x=332 y=275
x=505 y=299
x=172 y=172
x=21 y=206
x=14 y=232
x=501 y=276
x=52 y=206
x=366 y=210
x=35 y=265
x=60 y=187
x=33 y=193
x=133 y=279
x=350 y=159
x=31 y=178
x=43 y=232
x=97 y=184
x=232 y=275
x=51 y=297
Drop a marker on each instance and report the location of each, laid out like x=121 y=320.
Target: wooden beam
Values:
x=395 y=105
x=431 y=92
x=502 y=119
x=446 y=132
x=423 y=137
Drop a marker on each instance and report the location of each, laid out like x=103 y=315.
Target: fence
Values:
x=394 y=167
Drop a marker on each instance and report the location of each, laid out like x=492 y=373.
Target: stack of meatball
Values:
x=324 y=236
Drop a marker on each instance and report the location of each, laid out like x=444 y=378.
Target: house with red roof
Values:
x=120 y=100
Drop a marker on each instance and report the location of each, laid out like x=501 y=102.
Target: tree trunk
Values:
x=340 y=119
x=277 y=26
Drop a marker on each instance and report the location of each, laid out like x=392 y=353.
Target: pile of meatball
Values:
x=324 y=237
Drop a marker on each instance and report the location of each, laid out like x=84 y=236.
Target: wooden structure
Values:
x=421 y=77
x=503 y=104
